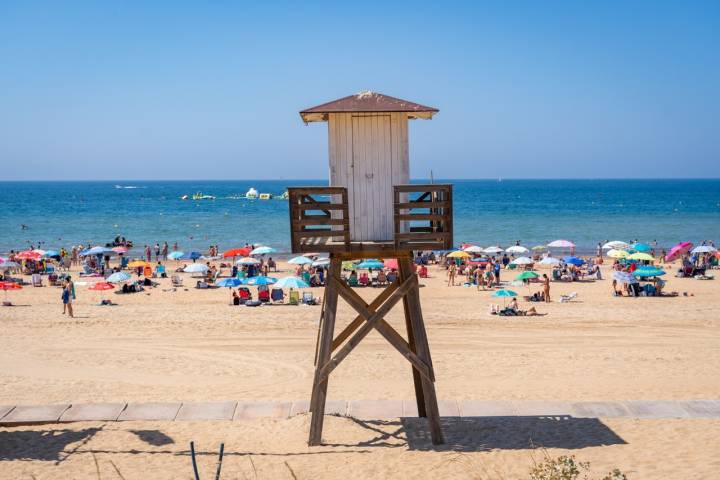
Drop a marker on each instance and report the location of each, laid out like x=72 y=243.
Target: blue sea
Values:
x=488 y=212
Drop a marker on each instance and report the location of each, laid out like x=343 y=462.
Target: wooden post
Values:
x=319 y=392
x=423 y=351
x=419 y=397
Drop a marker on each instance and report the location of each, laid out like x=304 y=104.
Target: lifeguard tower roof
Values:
x=367 y=101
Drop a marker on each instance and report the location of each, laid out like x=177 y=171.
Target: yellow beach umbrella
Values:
x=641 y=256
x=615 y=253
x=138 y=264
x=459 y=254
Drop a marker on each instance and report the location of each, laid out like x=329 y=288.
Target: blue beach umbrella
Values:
x=260 y=280
x=641 y=247
x=51 y=253
x=574 y=261
x=504 y=293
x=291 y=282
x=648 y=271
x=175 y=255
x=229 y=282
x=300 y=261
x=118 y=277
x=372 y=263
x=191 y=256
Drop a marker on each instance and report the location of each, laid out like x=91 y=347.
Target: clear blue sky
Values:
x=183 y=90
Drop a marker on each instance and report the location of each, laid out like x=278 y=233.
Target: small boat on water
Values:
x=252 y=194
x=200 y=196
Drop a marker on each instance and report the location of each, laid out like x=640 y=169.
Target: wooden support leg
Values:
x=319 y=392
x=423 y=351
x=419 y=397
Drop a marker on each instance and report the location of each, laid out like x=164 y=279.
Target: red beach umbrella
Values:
x=9 y=286
x=391 y=263
x=28 y=255
x=237 y=252
x=100 y=286
x=120 y=249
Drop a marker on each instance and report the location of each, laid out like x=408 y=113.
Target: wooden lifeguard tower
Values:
x=370 y=210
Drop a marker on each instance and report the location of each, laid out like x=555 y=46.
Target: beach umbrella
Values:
x=138 y=264
x=51 y=253
x=28 y=255
x=191 y=256
x=574 y=261
x=504 y=293
x=263 y=251
x=391 y=263
x=321 y=262
x=175 y=255
x=120 y=249
x=9 y=286
x=196 y=268
x=640 y=256
x=300 y=261
x=458 y=254
x=101 y=286
x=373 y=264
x=624 y=277
x=310 y=255
x=291 y=282
x=527 y=276
x=491 y=250
x=516 y=249
x=229 y=282
x=561 y=244
x=247 y=261
x=349 y=265
x=473 y=249
x=8 y=265
x=648 y=271
x=119 y=277
x=616 y=253
x=97 y=251
x=522 y=261
x=538 y=248
x=260 y=280
x=678 y=251
x=641 y=247
x=616 y=244
x=549 y=261
x=237 y=252
x=704 y=249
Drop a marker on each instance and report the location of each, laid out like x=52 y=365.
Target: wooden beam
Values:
x=362 y=332
x=394 y=338
x=355 y=324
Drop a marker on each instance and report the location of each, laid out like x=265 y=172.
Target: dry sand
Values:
x=191 y=345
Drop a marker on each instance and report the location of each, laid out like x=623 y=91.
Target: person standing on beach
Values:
x=157 y=252
x=165 y=251
x=546 y=287
x=599 y=250
x=148 y=253
x=451 y=274
x=68 y=294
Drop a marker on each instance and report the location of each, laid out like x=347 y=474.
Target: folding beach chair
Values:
x=36 y=280
x=263 y=293
x=244 y=294
x=308 y=298
x=277 y=295
x=294 y=297
x=176 y=280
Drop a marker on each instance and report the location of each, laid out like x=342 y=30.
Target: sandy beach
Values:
x=192 y=345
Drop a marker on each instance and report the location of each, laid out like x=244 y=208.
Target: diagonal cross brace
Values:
x=374 y=319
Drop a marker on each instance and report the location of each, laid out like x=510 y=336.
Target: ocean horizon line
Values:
x=499 y=178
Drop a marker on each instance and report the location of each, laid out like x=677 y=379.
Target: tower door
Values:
x=370 y=193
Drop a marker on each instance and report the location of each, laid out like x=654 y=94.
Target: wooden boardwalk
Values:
x=13 y=415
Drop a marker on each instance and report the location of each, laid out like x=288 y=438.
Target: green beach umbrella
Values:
x=527 y=275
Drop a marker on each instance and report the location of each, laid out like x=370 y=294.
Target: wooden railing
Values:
x=423 y=217
x=318 y=215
